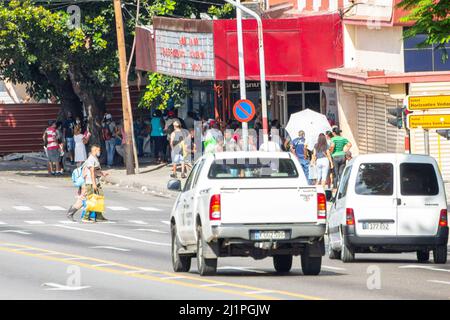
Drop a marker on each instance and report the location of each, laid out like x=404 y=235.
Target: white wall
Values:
x=369 y=47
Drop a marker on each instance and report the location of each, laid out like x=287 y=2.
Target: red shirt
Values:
x=52 y=138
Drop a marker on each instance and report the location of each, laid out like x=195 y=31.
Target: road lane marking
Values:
x=152 y=230
x=110 y=248
x=118 y=209
x=115 y=235
x=104 y=265
x=42 y=187
x=150 y=209
x=165 y=222
x=60 y=287
x=1 y=222
x=16 y=231
x=137 y=221
x=248 y=269
x=424 y=267
x=34 y=222
x=67 y=222
x=334 y=268
x=22 y=208
x=174 y=277
x=439 y=281
x=54 y=208
x=136 y=271
x=215 y=285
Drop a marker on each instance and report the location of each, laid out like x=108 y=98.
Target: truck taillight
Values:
x=214 y=208
x=443 y=219
x=321 y=206
x=350 y=217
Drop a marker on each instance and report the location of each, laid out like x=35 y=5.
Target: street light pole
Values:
x=243 y=90
x=126 y=105
x=262 y=65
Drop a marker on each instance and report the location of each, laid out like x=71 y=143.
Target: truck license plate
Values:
x=270 y=235
x=375 y=226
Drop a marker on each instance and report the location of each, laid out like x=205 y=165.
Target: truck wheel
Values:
x=332 y=254
x=206 y=267
x=311 y=265
x=347 y=254
x=282 y=263
x=440 y=254
x=180 y=263
x=423 y=256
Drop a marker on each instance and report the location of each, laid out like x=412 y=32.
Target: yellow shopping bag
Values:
x=95 y=203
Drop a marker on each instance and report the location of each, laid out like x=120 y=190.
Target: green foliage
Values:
x=161 y=89
x=432 y=18
x=225 y=12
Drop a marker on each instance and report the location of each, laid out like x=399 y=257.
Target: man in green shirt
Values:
x=339 y=147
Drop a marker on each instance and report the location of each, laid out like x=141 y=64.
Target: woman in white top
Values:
x=80 y=149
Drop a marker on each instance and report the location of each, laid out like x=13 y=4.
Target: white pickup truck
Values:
x=248 y=204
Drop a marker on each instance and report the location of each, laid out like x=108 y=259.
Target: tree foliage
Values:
x=163 y=90
x=432 y=18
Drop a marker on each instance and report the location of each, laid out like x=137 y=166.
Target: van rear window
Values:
x=252 y=168
x=418 y=179
x=375 y=179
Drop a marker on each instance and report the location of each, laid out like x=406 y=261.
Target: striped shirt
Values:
x=52 y=138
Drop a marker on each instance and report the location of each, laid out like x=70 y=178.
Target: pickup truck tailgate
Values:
x=269 y=205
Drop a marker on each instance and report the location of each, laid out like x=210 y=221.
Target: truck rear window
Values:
x=252 y=168
x=418 y=179
x=375 y=179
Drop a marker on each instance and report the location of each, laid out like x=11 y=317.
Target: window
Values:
x=375 y=179
x=425 y=58
x=252 y=168
x=418 y=179
x=344 y=183
x=199 y=170
x=190 y=179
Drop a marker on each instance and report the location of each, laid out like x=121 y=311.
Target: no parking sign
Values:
x=244 y=110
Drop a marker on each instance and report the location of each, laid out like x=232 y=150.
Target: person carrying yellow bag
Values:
x=94 y=193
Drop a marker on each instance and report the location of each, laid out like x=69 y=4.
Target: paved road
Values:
x=43 y=256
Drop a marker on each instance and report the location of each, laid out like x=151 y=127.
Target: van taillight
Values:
x=321 y=206
x=214 y=208
x=350 y=217
x=443 y=219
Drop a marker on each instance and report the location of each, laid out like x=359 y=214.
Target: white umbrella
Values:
x=311 y=122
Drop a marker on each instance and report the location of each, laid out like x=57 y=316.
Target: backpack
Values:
x=106 y=133
x=78 y=177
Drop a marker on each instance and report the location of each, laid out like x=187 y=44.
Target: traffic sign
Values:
x=428 y=121
x=244 y=110
x=428 y=102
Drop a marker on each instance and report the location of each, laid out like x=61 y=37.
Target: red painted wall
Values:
x=296 y=49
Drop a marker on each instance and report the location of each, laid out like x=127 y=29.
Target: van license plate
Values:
x=270 y=235
x=375 y=226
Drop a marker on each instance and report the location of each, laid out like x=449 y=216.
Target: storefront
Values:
x=298 y=52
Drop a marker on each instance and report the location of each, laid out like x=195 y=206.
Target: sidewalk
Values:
x=152 y=179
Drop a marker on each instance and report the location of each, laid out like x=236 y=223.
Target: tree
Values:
x=78 y=64
x=432 y=18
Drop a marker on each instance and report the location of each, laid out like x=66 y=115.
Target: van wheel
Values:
x=206 y=267
x=332 y=254
x=347 y=254
x=423 y=256
x=440 y=254
x=282 y=263
x=180 y=263
x=311 y=265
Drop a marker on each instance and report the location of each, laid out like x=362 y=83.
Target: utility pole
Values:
x=126 y=105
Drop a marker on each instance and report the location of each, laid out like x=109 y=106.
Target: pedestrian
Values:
x=157 y=136
x=68 y=133
x=176 y=145
x=108 y=134
x=92 y=181
x=229 y=142
x=80 y=146
x=213 y=138
x=339 y=146
x=62 y=147
x=322 y=160
x=300 y=149
x=51 y=142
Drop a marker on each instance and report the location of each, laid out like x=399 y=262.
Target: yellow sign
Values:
x=429 y=121
x=428 y=102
